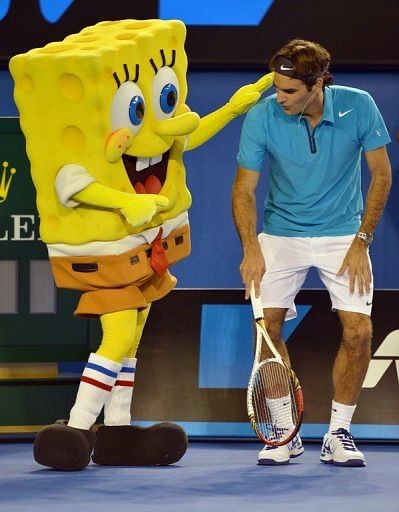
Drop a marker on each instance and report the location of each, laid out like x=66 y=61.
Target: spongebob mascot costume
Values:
x=106 y=125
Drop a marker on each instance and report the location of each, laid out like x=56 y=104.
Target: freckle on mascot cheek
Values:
x=106 y=125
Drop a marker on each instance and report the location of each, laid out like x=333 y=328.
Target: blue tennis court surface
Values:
x=212 y=476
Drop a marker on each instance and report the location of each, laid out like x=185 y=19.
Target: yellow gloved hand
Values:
x=142 y=208
x=243 y=99
x=137 y=209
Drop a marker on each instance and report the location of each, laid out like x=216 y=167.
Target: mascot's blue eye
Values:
x=168 y=98
x=136 y=110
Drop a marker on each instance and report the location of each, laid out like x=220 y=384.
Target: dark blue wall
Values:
x=216 y=250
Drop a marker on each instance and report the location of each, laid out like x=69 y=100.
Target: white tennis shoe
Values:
x=274 y=455
x=339 y=448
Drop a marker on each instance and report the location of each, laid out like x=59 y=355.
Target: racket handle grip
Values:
x=256 y=304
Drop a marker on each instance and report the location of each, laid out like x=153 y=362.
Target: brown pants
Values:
x=116 y=283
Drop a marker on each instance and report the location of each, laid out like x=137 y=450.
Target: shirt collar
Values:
x=328 y=107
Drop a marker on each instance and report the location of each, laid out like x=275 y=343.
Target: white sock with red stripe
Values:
x=117 y=408
x=96 y=384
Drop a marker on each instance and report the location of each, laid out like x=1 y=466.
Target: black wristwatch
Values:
x=366 y=237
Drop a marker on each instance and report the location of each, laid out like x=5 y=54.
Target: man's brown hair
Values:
x=309 y=60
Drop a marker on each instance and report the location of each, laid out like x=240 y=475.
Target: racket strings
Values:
x=274 y=401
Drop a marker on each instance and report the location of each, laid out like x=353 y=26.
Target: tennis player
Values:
x=313 y=134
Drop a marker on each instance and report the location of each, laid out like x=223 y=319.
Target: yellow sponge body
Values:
x=64 y=93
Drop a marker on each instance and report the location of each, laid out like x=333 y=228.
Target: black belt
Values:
x=93 y=267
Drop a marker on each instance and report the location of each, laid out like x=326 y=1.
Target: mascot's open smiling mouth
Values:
x=147 y=175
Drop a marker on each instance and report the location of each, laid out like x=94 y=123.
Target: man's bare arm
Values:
x=356 y=259
x=252 y=266
x=378 y=192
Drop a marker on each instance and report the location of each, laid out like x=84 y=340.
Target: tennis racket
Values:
x=274 y=396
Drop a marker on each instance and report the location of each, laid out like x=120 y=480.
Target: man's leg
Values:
x=353 y=357
x=349 y=370
x=274 y=320
x=287 y=260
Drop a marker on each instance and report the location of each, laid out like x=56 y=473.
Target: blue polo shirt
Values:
x=315 y=174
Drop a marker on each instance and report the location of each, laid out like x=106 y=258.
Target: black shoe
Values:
x=64 y=448
x=127 y=445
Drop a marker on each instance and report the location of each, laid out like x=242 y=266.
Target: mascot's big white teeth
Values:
x=144 y=162
x=155 y=160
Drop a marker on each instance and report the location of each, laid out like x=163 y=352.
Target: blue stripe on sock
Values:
x=127 y=369
x=101 y=369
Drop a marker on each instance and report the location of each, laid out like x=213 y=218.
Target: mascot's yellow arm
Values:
x=241 y=101
x=136 y=208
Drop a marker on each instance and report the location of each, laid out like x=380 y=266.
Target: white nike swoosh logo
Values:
x=283 y=68
x=342 y=114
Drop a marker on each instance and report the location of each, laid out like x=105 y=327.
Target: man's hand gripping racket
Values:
x=274 y=396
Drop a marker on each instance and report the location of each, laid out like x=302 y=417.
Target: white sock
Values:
x=95 y=386
x=280 y=411
x=117 y=408
x=341 y=416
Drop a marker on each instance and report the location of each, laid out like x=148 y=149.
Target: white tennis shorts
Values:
x=288 y=260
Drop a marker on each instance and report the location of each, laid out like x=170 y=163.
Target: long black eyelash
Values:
x=154 y=65
x=163 y=58
x=136 y=77
x=126 y=72
x=172 y=62
x=127 y=75
x=118 y=82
